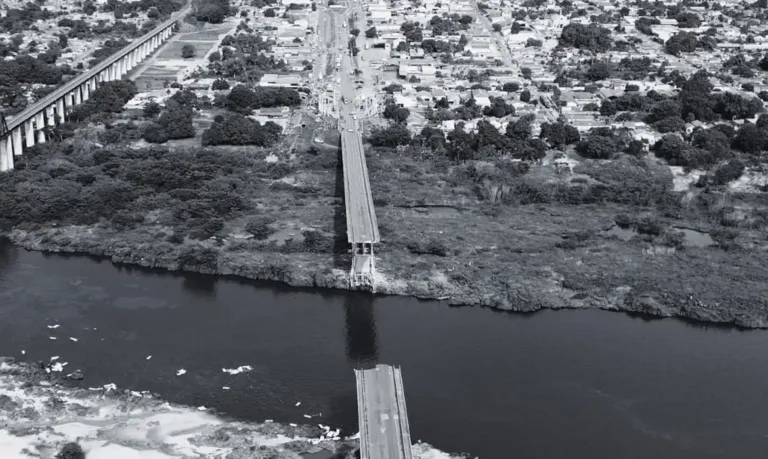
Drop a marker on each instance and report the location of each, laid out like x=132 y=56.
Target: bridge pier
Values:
x=29 y=127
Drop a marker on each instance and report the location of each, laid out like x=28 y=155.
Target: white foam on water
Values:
x=117 y=424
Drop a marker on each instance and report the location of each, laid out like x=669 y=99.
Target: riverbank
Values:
x=41 y=411
x=612 y=236
x=528 y=269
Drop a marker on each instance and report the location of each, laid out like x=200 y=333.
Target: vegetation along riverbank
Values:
x=477 y=232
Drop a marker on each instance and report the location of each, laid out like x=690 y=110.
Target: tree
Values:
x=499 y=108
x=220 y=85
x=497 y=27
x=154 y=133
x=597 y=147
x=608 y=108
x=269 y=13
x=178 y=123
x=672 y=148
x=520 y=129
x=395 y=113
x=153 y=13
x=355 y=32
x=527 y=72
x=533 y=43
x=525 y=96
x=635 y=148
x=240 y=130
x=71 y=450
x=188 y=51
x=151 y=109
x=591 y=37
x=391 y=136
x=510 y=87
x=212 y=11
x=681 y=42
x=600 y=70
x=371 y=33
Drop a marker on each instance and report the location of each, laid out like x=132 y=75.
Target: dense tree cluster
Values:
x=164 y=8
x=237 y=129
x=108 y=48
x=590 y=37
x=449 y=25
x=396 y=113
x=27 y=69
x=687 y=42
x=212 y=11
x=109 y=97
x=412 y=31
x=644 y=24
x=242 y=99
x=243 y=57
x=83 y=186
x=20 y=20
x=559 y=134
x=391 y=136
x=499 y=108
x=432 y=46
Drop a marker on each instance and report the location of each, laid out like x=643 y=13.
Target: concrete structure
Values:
x=31 y=126
x=362 y=228
x=383 y=417
x=280 y=81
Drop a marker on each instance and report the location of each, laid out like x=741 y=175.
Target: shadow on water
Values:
x=200 y=283
x=341 y=406
x=360 y=330
x=8 y=256
x=341 y=258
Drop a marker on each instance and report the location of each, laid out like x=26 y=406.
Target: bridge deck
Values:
x=384 y=430
x=361 y=215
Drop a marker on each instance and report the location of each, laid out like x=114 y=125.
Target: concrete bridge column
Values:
x=6 y=154
x=29 y=133
x=60 y=110
x=18 y=146
x=69 y=102
x=78 y=96
x=85 y=91
x=50 y=115
x=40 y=124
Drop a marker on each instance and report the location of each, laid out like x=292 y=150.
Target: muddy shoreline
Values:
x=316 y=271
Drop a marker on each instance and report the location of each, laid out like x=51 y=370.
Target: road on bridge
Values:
x=362 y=226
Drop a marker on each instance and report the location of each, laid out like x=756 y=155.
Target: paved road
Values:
x=361 y=215
x=384 y=431
x=506 y=55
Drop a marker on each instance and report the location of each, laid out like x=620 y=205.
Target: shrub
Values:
x=151 y=109
x=259 y=228
x=71 y=450
x=220 y=85
x=188 y=51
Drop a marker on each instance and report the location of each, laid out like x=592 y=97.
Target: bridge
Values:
x=362 y=227
x=384 y=429
x=29 y=127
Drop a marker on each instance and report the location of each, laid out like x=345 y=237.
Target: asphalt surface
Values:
x=361 y=216
x=382 y=434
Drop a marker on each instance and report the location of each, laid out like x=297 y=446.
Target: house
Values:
x=285 y=81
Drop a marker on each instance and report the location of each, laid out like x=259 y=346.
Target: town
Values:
x=523 y=156
x=255 y=129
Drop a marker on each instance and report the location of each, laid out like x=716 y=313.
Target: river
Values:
x=555 y=384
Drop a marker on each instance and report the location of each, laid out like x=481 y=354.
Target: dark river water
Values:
x=567 y=384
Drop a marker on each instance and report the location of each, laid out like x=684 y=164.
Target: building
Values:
x=284 y=81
